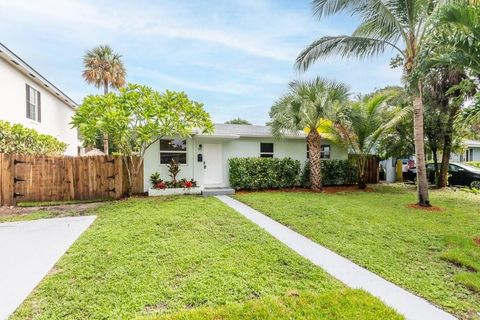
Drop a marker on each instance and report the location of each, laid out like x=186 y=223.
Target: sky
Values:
x=235 y=56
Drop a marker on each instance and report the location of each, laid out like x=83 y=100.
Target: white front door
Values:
x=213 y=165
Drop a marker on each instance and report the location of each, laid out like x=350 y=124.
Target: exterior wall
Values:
x=231 y=148
x=462 y=157
x=55 y=114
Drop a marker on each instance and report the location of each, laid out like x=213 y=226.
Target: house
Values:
x=204 y=157
x=27 y=98
x=471 y=152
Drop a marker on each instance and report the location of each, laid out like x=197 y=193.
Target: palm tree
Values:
x=104 y=68
x=309 y=106
x=364 y=121
x=400 y=25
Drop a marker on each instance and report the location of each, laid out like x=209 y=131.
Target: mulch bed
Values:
x=79 y=208
x=327 y=189
x=419 y=207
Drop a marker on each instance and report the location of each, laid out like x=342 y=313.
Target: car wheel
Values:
x=475 y=184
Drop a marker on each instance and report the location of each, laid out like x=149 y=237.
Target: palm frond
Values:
x=343 y=46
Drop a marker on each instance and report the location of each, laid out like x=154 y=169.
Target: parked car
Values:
x=460 y=174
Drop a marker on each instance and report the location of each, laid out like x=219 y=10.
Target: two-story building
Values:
x=28 y=98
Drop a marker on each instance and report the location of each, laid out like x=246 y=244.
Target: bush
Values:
x=474 y=163
x=334 y=172
x=263 y=173
x=19 y=139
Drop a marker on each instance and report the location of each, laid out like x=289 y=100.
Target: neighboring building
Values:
x=204 y=157
x=471 y=152
x=27 y=98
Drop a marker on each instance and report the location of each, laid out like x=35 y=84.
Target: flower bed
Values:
x=173 y=191
x=173 y=187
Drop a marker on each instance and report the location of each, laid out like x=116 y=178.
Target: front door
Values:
x=213 y=165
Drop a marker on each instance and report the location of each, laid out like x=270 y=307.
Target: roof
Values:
x=94 y=152
x=234 y=131
x=19 y=64
x=472 y=143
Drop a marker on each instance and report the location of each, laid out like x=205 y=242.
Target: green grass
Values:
x=430 y=253
x=27 y=216
x=344 y=304
x=160 y=256
x=27 y=204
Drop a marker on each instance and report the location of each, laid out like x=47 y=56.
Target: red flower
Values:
x=160 y=185
x=188 y=184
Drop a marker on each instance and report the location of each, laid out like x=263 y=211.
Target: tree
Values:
x=456 y=43
x=362 y=124
x=238 y=121
x=19 y=139
x=309 y=106
x=104 y=68
x=400 y=25
x=137 y=117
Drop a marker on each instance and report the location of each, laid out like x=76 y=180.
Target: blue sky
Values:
x=234 y=56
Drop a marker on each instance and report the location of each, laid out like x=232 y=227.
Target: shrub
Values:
x=263 y=173
x=474 y=163
x=334 y=172
x=19 y=139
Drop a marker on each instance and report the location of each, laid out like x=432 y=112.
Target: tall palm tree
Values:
x=310 y=106
x=400 y=25
x=104 y=68
x=364 y=121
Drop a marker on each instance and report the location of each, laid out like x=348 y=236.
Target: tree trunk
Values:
x=314 y=144
x=447 y=149
x=105 y=136
x=435 y=161
x=422 y=183
x=361 y=163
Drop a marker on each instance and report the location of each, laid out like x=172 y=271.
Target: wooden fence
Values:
x=38 y=178
x=372 y=173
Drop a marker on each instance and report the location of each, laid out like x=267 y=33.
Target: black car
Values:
x=459 y=174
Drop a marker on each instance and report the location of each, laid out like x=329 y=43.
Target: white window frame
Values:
x=322 y=151
x=174 y=151
x=267 y=154
x=34 y=105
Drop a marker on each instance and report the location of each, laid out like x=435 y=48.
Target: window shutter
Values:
x=39 y=107
x=27 y=98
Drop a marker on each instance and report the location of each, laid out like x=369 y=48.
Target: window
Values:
x=173 y=149
x=325 y=151
x=266 y=150
x=34 y=110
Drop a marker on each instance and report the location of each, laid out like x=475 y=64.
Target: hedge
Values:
x=334 y=172
x=263 y=173
x=19 y=139
x=474 y=163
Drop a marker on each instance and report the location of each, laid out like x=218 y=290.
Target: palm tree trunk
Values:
x=422 y=183
x=314 y=144
x=105 y=136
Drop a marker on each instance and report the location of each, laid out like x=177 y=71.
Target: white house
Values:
x=27 y=98
x=204 y=157
x=471 y=152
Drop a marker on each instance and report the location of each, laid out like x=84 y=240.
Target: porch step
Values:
x=217 y=191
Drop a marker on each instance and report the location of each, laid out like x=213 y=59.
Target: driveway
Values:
x=28 y=250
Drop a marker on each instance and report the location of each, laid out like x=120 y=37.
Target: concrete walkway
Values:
x=354 y=276
x=28 y=250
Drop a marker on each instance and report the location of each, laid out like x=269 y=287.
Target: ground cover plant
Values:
x=432 y=253
x=148 y=257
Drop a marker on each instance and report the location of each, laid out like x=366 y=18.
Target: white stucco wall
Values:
x=241 y=148
x=56 y=115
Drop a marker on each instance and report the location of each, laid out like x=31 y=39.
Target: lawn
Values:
x=432 y=253
x=188 y=258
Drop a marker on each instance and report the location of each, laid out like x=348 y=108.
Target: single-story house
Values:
x=28 y=98
x=204 y=157
x=471 y=152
